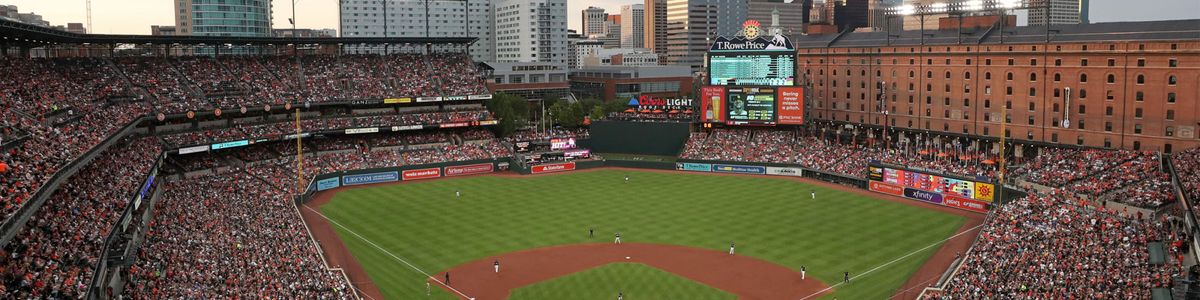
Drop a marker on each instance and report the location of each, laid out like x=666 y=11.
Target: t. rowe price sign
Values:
x=553 y=168
x=469 y=169
x=886 y=188
x=966 y=204
x=421 y=174
x=930 y=197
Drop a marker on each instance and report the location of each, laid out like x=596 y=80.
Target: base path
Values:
x=746 y=277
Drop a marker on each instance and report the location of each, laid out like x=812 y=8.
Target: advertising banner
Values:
x=453 y=125
x=558 y=144
x=916 y=194
x=712 y=102
x=885 y=188
x=966 y=204
x=488 y=122
x=397 y=100
x=739 y=169
x=429 y=99
x=193 y=149
x=455 y=98
x=421 y=174
x=985 y=192
x=553 y=168
x=362 y=130
x=876 y=173
x=370 y=178
x=469 y=169
x=578 y=153
x=232 y=144
x=406 y=127
x=693 y=167
x=750 y=105
x=327 y=183
x=479 y=97
x=797 y=172
x=791 y=105
x=951 y=186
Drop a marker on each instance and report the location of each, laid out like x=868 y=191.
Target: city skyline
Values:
x=120 y=19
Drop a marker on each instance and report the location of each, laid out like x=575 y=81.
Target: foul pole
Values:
x=299 y=157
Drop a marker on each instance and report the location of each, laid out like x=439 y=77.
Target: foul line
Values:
x=389 y=253
x=894 y=261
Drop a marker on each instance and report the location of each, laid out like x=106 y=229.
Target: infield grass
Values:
x=773 y=219
x=635 y=281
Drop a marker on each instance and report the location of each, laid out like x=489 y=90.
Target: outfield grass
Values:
x=635 y=281
x=769 y=218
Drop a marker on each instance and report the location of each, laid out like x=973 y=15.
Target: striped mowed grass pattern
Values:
x=769 y=218
x=633 y=280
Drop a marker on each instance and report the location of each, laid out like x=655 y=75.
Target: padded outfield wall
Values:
x=649 y=138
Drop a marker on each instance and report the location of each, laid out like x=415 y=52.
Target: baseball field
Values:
x=676 y=230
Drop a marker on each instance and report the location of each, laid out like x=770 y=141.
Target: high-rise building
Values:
x=879 y=17
x=1060 y=12
x=76 y=28
x=633 y=26
x=223 y=17
x=531 y=31
x=593 y=21
x=8 y=11
x=162 y=30
x=790 y=16
x=850 y=14
x=655 y=22
x=411 y=18
x=612 y=29
x=693 y=24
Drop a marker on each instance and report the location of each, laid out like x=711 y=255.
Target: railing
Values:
x=104 y=273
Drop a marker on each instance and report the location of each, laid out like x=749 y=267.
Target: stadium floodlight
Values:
x=1009 y=4
x=939 y=7
x=973 y=5
x=907 y=9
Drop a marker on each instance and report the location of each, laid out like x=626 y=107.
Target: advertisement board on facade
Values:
x=693 y=167
x=421 y=174
x=712 y=103
x=739 y=169
x=791 y=105
x=781 y=171
x=370 y=178
x=193 y=149
x=469 y=169
x=885 y=188
x=553 y=168
x=916 y=194
x=328 y=183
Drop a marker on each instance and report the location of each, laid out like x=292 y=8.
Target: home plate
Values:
x=626 y=257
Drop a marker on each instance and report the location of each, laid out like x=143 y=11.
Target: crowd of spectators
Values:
x=1055 y=167
x=533 y=135
x=652 y=117
x=230 y=236
x=279 y=129
x=1047 y=247
x=54 y=255
x=1143 y=166
x=1187 y=167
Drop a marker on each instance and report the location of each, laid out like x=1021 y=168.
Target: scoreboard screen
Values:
x=768 y=69
x=751 y=105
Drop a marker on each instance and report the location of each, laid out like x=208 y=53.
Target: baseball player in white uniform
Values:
x=496 y=264
x=618 y=240
x=730 y=248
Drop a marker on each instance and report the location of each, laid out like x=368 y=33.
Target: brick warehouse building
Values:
x=1133 y=85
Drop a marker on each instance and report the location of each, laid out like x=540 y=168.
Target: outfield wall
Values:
x=651 y=138
x=404 y=173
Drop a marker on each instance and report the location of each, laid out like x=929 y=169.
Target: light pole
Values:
x=296 y=53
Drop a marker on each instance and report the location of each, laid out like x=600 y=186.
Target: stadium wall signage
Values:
x=550 y=168
x=193 y=149
x=966 y=204
x=469 y=169
x=397 y=100
x=429 y=99
x=916 y=194
x=232 y=144
x=781 y=171
x=421 y=174
x=886 y=188
x=651 y=102
x=362 y=130
x=479 y=97
x=693 y=167
x=328 y=183
x=739 y=169
x=407 y=127
x=371 y=178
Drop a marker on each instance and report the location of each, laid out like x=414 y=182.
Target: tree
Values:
x=566 y=114
x=598 y=112
x=511 y=111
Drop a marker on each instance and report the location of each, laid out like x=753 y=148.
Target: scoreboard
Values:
x=966 y=194
x=767 y=69
x=751 y=105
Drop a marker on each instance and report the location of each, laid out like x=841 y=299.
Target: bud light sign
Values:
x=930 y=197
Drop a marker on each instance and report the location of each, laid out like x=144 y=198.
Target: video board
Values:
x=750 y=105
x=765 y=69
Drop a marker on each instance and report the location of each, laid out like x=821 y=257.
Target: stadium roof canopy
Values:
x=16 y=33
x=1181 y=30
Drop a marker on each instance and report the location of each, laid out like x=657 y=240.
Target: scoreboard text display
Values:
x=958 y=193
x=773 y=69
x=750 y=105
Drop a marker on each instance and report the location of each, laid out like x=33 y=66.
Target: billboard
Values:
x=750 y=105
x=407 y=127
x=370 y=178
x=550 y=168
x=712 y=102
x=578 y=153
x=652 y=102
x=362 y=130
x=757 y=69
x=559 y=144
x=780 y=171
x=397 y=100
x=966 y=204
x=739 y=169
x=930 y=197
x=886 y=188
x=985 y=192
x=193 y=149
x=791 y=105
x=693 y=167
x=328 y=183
x=469 y=169
x=232 y=144
x=962 y=194
x=421 y=174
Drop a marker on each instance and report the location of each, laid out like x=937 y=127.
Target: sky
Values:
x=136 y=16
